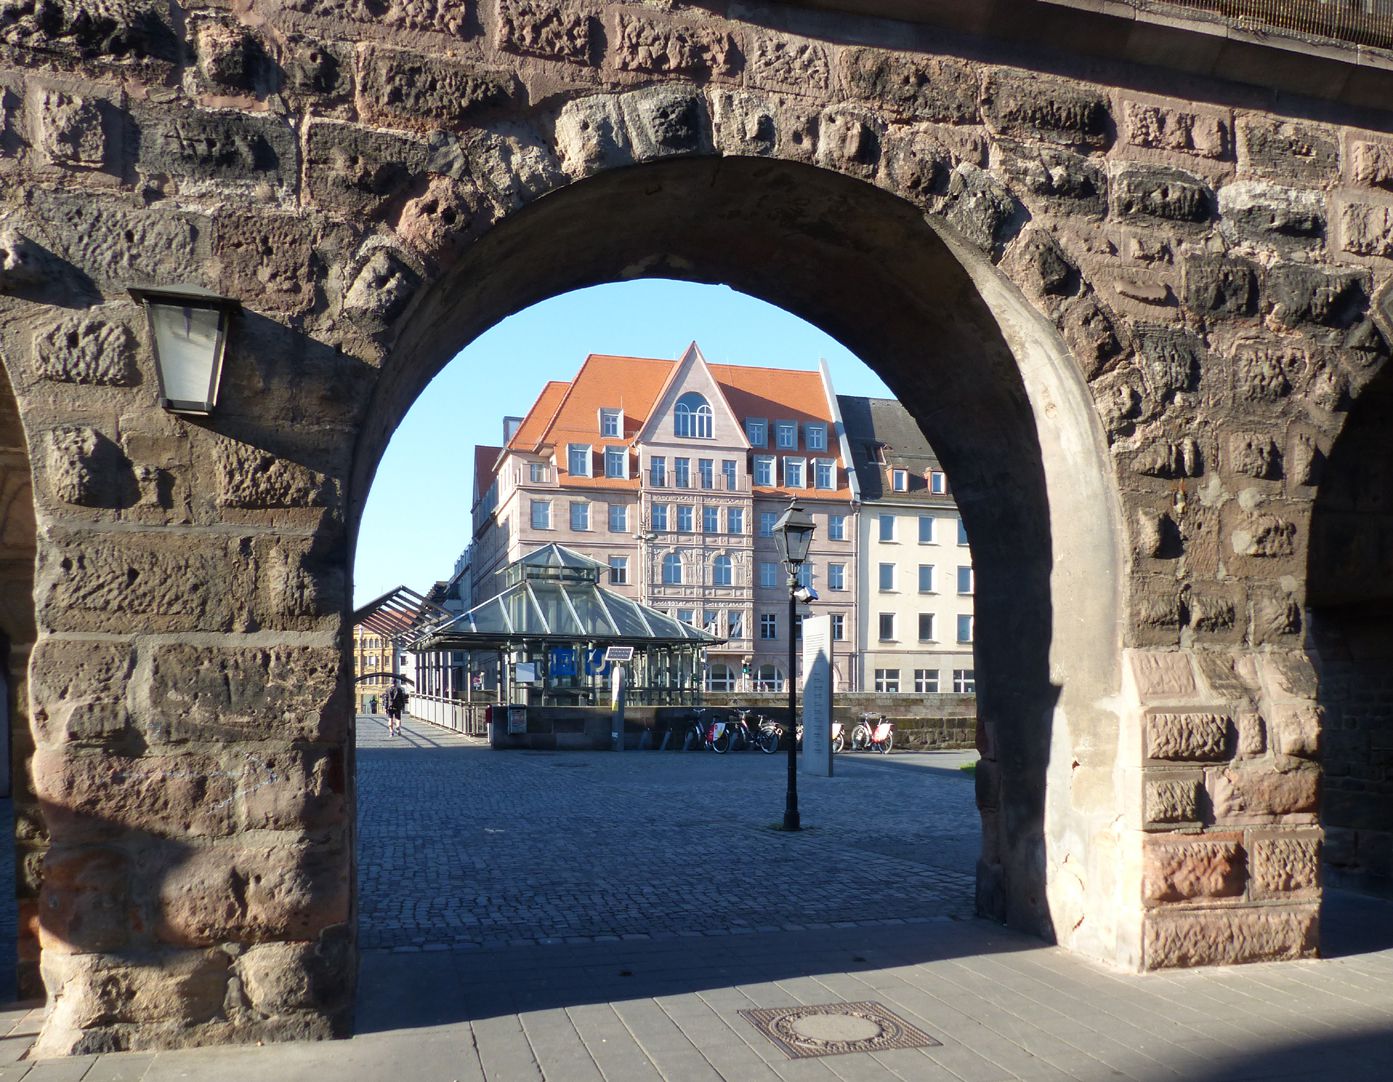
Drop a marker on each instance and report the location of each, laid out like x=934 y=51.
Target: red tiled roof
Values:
x=532 y=432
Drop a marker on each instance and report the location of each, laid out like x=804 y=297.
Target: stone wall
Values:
x=922 y=722
x=1130 y=308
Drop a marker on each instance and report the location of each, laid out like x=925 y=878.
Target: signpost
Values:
x=817 y=696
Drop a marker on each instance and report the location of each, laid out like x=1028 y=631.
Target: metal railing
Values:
x=1362 y=22
x=459 y=717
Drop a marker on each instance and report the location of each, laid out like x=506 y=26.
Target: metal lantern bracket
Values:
x=188 y=333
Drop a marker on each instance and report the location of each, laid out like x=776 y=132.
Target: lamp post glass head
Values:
x=188 y=327
x=794 y=531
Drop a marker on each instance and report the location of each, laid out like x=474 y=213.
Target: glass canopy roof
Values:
x=554 y=594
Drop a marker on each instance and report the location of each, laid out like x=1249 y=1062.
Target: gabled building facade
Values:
x=916 y=624
x=672 y=473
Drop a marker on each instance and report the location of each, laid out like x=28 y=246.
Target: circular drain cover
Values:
x=836 y=1027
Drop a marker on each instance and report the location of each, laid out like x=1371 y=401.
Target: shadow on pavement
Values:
x=1350 y=1057
x=1353 y=924
x=412 y=990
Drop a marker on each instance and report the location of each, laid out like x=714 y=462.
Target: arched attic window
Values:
x=691 y=417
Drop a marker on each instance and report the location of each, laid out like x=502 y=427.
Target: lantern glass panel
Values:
x=190 y=345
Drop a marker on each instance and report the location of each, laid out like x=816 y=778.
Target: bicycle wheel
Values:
x=721 y=744
x=885 y=745
x=769 y=740
x=860 y=738
x=838 y=742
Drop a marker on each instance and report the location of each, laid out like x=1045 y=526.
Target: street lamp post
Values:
x=794 y=532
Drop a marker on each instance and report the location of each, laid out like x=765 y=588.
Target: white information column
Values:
x=816 y=700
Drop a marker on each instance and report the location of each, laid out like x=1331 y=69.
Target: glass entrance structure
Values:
x=550 y=630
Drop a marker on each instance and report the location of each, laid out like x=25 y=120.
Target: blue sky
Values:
x=416 y=522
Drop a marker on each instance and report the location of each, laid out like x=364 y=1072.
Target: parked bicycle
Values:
x=838 y=736
x=695 y=735
x=873 y=733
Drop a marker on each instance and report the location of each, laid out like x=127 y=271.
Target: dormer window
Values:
x=899 y=480
x=816 y=437
x=691 y=417
x=786 y=434
x=757 y=431
x=611 y=423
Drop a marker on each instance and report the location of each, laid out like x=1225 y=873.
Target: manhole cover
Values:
x=835 y=1029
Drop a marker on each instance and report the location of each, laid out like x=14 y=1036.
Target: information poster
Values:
x=816 y=699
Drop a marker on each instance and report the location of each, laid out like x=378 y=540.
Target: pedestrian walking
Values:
x=396 y=703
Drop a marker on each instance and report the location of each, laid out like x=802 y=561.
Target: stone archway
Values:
x=1161 y=283
x=17 y=633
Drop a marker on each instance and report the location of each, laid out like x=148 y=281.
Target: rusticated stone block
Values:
x=1204 y=937
x=663 y=120
x=1160 y=128
x=83 y=349
x=666 y=47
x=443 y=220
x=249 y=477
x=1161 y=675
x=268 y=261
x=1307 y=460
x=100 y=583
x=1299 y=293
x=1266 y=373
x=98 y=796
x=1191 y=737
x=1024 y=103
x=395 y=83
x=1156 y=534
x=301 y=789
x=1184 y=871
x=70 y=130
x=1172 y=800
x=279 y=977
x=252 y=895
x=1170 y=360
x=86 y=902
x=849 y=140
x=1252 y=735
x=1276 y=616
x=912 y=87
x=1254 y=455
x=441 y=16
x=1285 y=865
x=1366 y=229
x=1220 y=676
x=383 y=287
x=778 y=61
x=1212 y=613
x=1289 y=677
x=1263 y=213
x=85 y=468
x=319 y=68
x=220 y=146
x=1264 y=536
x=96 y=990
x=591 y=135
x=1296 y=729
x=359 y=170
x=1372 y=164
x=1157 y=192
x=1054 y=172
x=79 y=689
x=1092 y=335
x=984 y=210
x=1286 y=150
x=227 y=696
x=1223 y=285
x=110 y=239
x=1166 y=458
x=541 y=28
x=1260 y=790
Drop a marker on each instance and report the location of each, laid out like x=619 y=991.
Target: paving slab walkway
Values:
x=511 y=1000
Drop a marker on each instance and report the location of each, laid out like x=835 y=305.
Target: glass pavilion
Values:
x=552 y=626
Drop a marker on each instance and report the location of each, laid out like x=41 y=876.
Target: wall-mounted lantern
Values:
x=188 y=327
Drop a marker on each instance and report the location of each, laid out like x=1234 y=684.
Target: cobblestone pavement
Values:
x=463 y=846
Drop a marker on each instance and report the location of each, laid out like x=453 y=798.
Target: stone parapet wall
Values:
x=921 y=721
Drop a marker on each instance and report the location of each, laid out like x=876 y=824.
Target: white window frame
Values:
x=926 y=681
x=722 y=560
x=710 y=519
x=686 y=518
x=768 y=574
x=836 y=577
x=885 y=577
x=884 y=534
x=965 y=571
x=930 y=636
x=766 y=523
x=964 y=681
x=706 y=472
x=795 y=472
x=926 y=529
x=757 y=431
x=619 y=570
x=538 y=473
x=607 y=430
x=616 y=462
x=887 y=681
x=681 y=471
x=881 y=618
x=735 y=623
x=658 y=517
x=657 y=471
x=785 y=435
x=926 y=579
x=962 y=533
x=836 y=527
x=583 y=507
x=735 y=520
x=671 y=577
x=838 y=624
x=825 y=474
x=938 y=483
x=966 y=619
x=815 y=436
x=768 y=626
x=573 y=452
x=690 y=421
x=622 y=511
x=545 y=506
x=730 y=474
x=766 y=470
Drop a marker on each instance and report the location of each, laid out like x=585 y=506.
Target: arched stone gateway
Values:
x=1130 y=309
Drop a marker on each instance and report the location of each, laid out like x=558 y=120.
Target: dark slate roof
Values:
x=882 y=433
